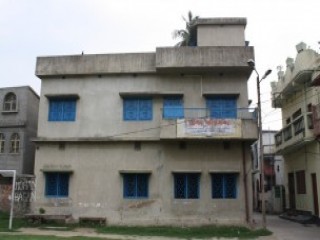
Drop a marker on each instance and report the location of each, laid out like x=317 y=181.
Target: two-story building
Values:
x=149 y=138
x=18 y=124
x=297 y=94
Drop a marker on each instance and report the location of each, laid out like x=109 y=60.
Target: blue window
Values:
x=135 y=185
x=222 y=107
x=62 y=110
x=186 y=185
x=57 y=184
x=173 y=108
x=224 y=185
x=137 y=109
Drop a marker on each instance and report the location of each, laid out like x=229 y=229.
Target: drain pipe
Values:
x=245 y=181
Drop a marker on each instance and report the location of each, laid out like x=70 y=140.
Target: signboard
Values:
x=215 y=128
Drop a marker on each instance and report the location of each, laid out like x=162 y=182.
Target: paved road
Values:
x=288 y=230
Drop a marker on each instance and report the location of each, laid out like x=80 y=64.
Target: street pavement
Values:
x=287 y=230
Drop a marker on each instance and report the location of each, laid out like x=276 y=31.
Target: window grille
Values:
x=57 y=184
x=15 y=143
x=10 y=102
x=224 y=185
x=186 y=185
x=222 y=107
x=62 y=110
x=135 y=185
x=173 y=108
x=137 y=109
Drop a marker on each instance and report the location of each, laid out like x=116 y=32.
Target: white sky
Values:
x=31 y=28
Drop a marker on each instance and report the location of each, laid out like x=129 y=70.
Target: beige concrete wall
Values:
x=221 y=35
x=99 y=110
x=307 y=159
x=96 y=187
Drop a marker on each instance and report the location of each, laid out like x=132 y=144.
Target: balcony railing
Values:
x=298 y=125
x=194 y=113
x=294 y=131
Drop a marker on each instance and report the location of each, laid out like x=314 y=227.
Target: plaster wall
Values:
x=96 y=184
x=24 y=122
x=307 y=159
x=221 y=35
x=100 y=96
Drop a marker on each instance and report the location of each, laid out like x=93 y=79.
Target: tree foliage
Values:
x=188 y=35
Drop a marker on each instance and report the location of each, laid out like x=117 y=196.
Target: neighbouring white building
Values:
x=274 y=179
x=149 y=138
x=297 y=94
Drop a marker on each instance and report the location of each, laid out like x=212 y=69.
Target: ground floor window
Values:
x=186 y=185
x=135 y=185
x=57 y=184
x=224 y=185
x=301 y=182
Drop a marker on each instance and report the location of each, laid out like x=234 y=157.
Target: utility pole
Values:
x=251 y=63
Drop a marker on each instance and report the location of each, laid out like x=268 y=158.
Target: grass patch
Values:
x=33 y=237
x=187 y=232
x=23 y=223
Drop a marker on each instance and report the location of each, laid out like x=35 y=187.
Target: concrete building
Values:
x=18 y=124
x=297 y=94
x=273 y=172
x=149 y=138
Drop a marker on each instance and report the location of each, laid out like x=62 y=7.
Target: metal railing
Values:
x=293 y=129
x=193 y=113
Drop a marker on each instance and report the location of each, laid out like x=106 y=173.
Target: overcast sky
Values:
x=31 y=28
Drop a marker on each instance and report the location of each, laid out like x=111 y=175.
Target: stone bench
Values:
x=45 y=218
x=92 y=221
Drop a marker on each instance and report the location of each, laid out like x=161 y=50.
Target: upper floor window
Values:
x=186 y=185
x=135 y=185
x=57 y=184
x=137 y=109
x=10 y=102
x=173 y=108
x=222 y=107
x=62 y=109
x=224 y=185
x=2 y=140
x=14 y=143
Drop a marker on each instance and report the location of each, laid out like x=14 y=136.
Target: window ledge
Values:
x=9 y=112
x=135 y=171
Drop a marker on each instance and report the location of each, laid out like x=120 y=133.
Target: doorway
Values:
x=315 y=193
x=292 y=192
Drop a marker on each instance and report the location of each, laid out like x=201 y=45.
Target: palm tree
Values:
x=188 y=36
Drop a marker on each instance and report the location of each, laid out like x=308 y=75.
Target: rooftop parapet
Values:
x=297 y=73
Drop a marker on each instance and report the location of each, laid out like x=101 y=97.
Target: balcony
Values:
x=297 y=132
x=203 y=123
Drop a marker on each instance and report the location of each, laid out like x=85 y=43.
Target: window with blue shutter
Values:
x=186 y=185
x=224 y=185
x=62 y=110
x=135 y=185
x=173 y=108
x=57 y=184
x=222 y=107
x=137 y=109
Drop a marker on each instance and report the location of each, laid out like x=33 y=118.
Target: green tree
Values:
x=188 y=36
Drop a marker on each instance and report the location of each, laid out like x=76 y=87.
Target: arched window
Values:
x=2 y=140
x=10 y=102
x=14 y=143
